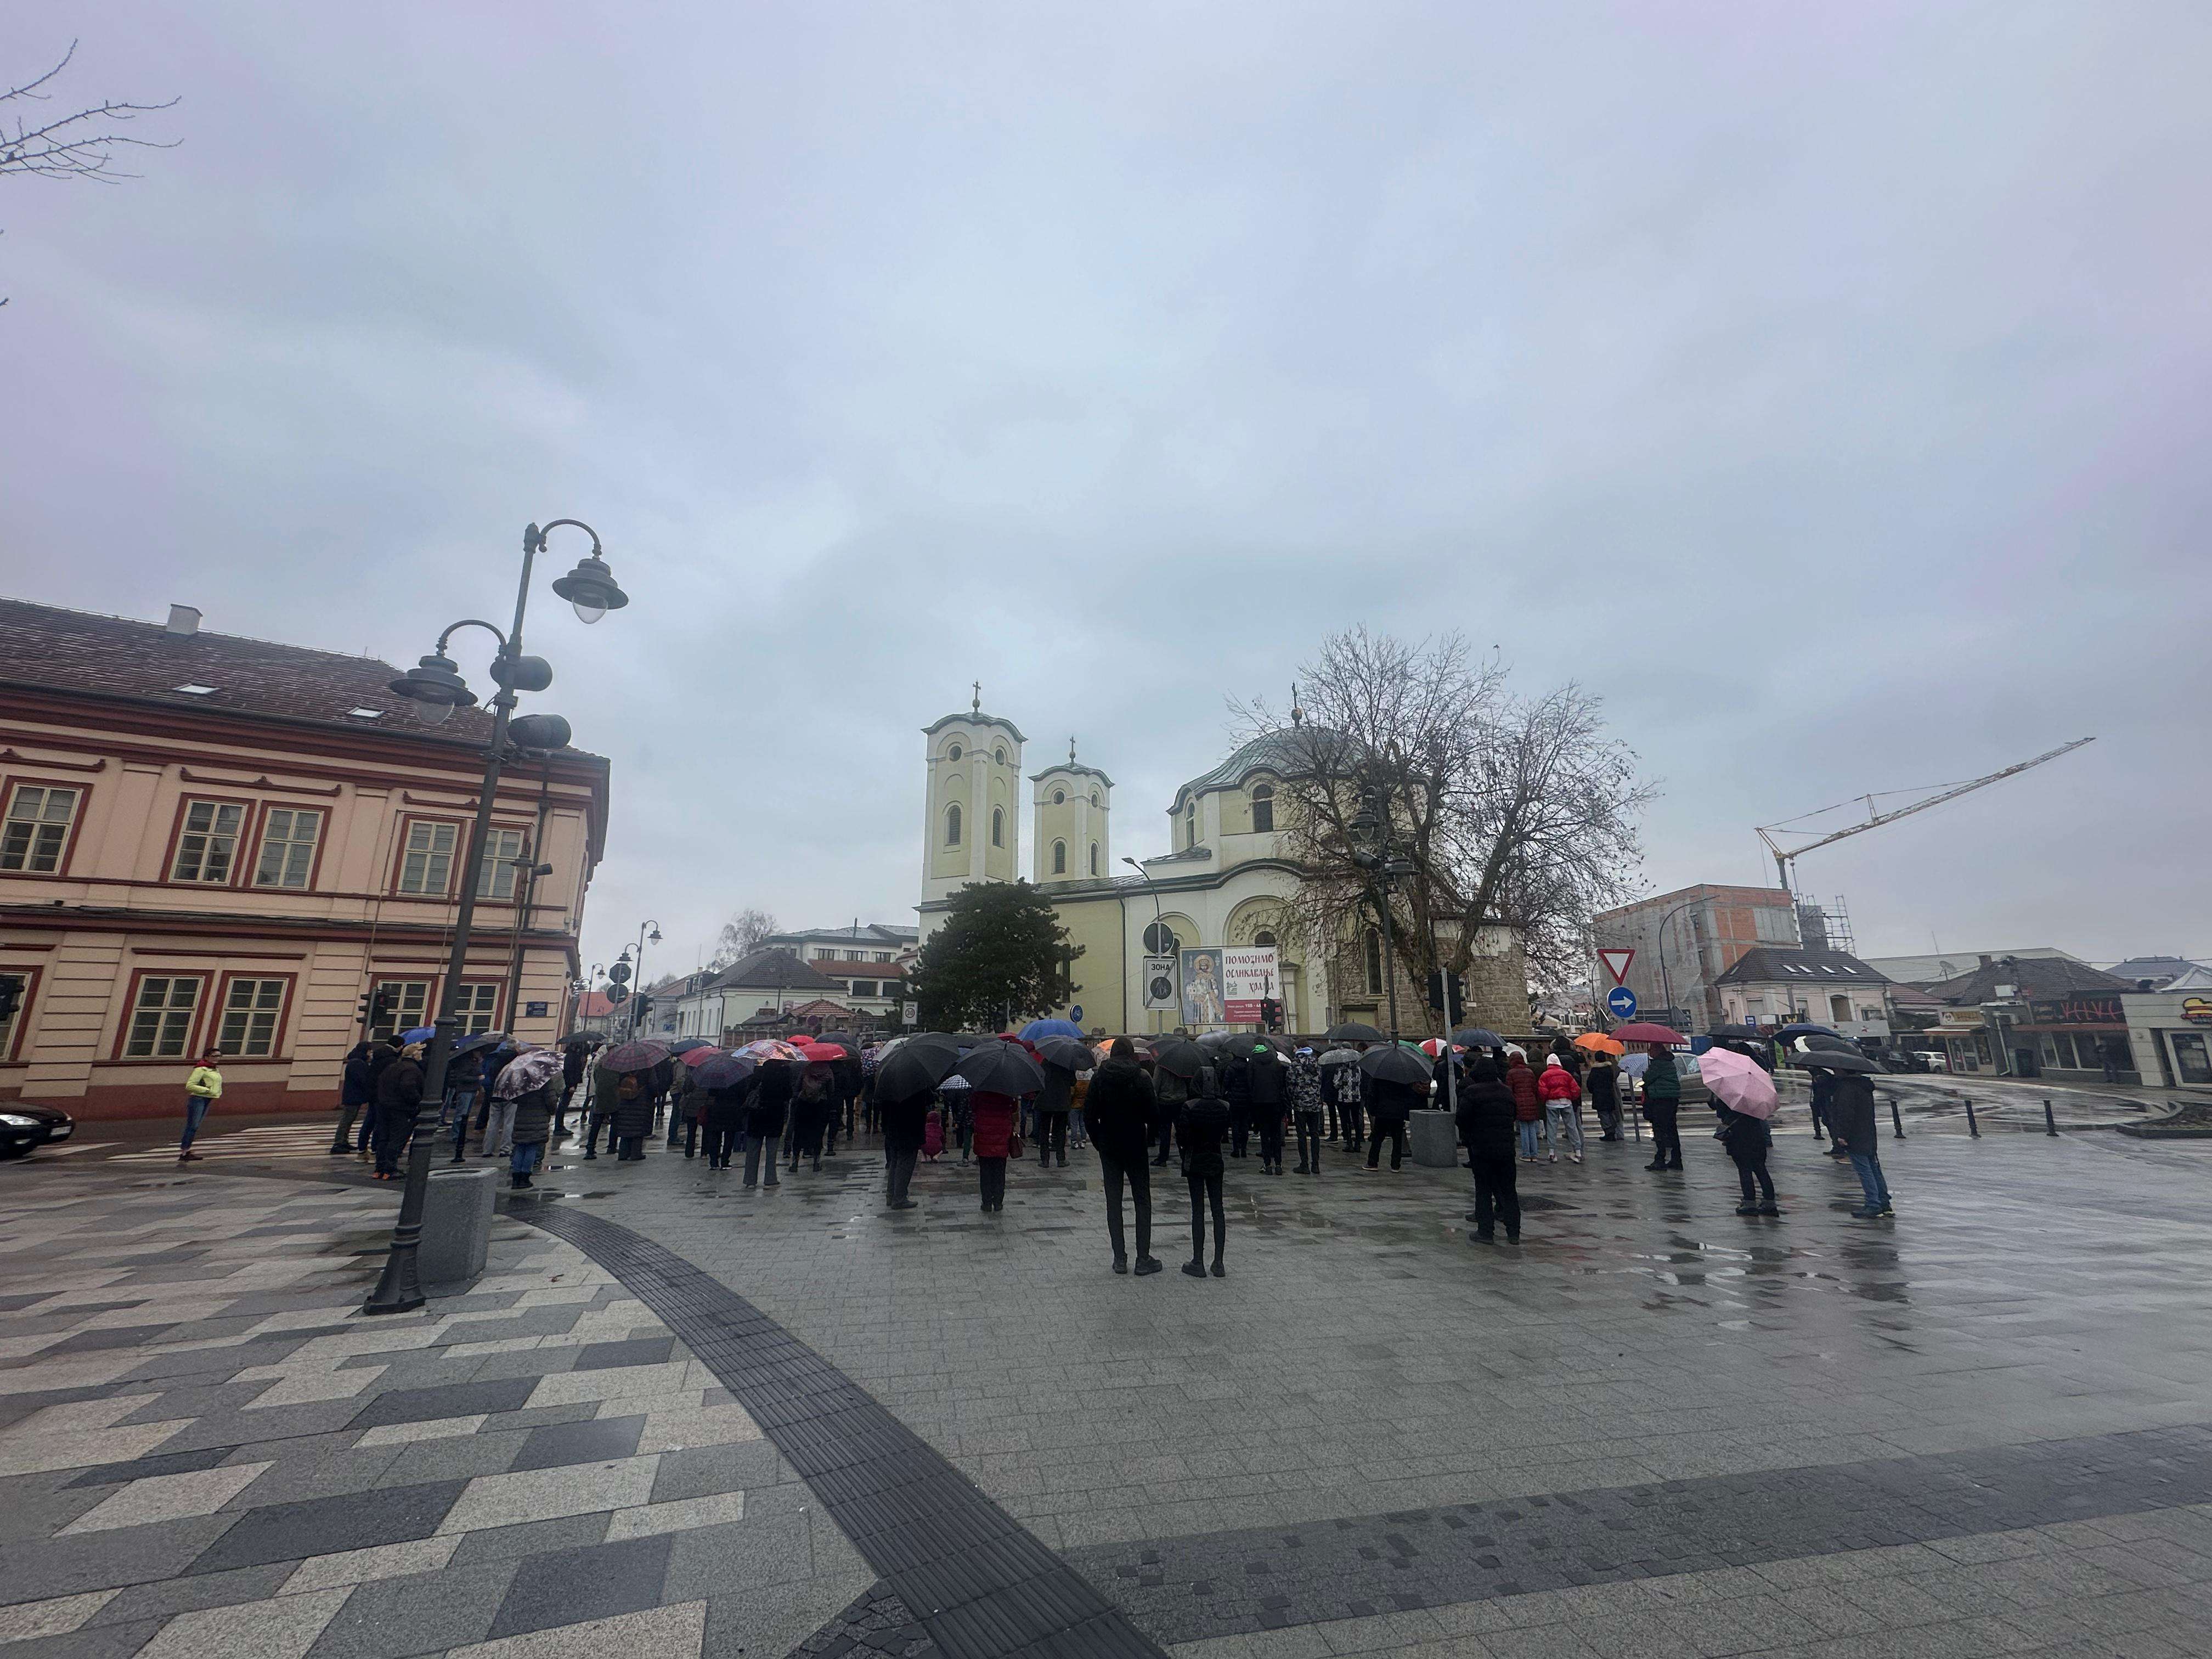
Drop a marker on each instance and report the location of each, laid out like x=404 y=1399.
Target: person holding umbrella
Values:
x=1851 y=1121
x=902 y=1089
x=1391 y=1079
x=1743 y=1099
x=1117 y=1112
x=998 y=1072
x=1662 y=1101
x=1268 y=1089
x=1199 y=1134
x=766 y=1108
x=1174 y=1063
x=1063 y=1057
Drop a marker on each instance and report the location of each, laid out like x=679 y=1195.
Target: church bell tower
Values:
x=971 y=826
x=1072 y=803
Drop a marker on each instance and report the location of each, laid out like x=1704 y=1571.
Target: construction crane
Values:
x=1785 y=859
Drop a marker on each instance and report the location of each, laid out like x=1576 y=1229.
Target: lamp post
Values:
x=435 y=687
x=1159 y=928
x=652 y=928
x=1666 y=980
x=1371 y=851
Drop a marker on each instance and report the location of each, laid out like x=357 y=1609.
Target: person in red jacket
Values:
x=1562 y=1093
x=992 y=1119
x=1527 y=1105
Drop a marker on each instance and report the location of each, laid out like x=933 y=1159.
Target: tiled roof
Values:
x=46 y=647
x=2035 y=976
x=1764 y=964
x=1286 y=752
x=777 y=970
x=871 y=933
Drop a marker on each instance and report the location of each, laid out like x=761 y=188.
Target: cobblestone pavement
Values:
x=1655 y=1427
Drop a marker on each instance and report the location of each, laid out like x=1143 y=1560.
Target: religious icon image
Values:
x=1202 y=1000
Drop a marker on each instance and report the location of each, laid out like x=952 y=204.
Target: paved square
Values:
x=680 y=1414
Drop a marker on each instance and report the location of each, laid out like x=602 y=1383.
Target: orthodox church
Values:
x=1226 y=883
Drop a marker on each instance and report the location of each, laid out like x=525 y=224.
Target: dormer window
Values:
x=1190 y=826
x=191 y=691
x=365 y=714
x=1263 y=808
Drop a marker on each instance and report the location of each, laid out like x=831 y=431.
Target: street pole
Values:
x=1159 y=932
x=435 y=684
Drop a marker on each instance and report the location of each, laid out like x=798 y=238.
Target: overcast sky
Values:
x=1826 y=385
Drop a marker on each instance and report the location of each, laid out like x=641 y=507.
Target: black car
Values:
x=24 y=1126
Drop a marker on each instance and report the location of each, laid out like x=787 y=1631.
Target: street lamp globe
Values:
x=591 y=588
x=654 y=937
x=435 y=688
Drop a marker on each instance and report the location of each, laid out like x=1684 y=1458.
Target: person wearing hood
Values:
x=1306 y=1110
x=1267 y=1087
x=398 y=1097
x=1662 y=1101
x=767 y=1106
x=357 y=1099
x=1561 y=1092
x=1527 y=1103
x=1199 y=1134
x=811 y=1106
x=530 y=1128
x=632 y=1114
x=1488 y=1121
x=722 y=1115
x=1118 y=1109
x=1234 y=1072
x=575 y=1061
x=1747 y=1138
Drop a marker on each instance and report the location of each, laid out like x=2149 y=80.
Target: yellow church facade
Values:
x=1227 y=883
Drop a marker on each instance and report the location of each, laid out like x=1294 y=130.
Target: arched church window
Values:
x=1264 y=938
x=1000 y=754
x=952 y=825
x=1094 y=797
x=1263 y=807
x=1094 y=858
x=1190 y=826
x=953 y=753
x=998 y=826
x=1060 y=858
x=1374 y=961
x=1060 y=797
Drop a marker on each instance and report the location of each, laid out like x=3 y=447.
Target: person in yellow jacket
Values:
x=202 y=1089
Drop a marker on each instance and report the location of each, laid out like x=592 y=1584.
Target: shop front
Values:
x=2074 y=1039
x=2172 y=1031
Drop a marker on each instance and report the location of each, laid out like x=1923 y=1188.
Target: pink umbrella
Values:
x=1741 y=1084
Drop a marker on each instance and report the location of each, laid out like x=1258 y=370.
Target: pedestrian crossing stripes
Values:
x=269 y=1140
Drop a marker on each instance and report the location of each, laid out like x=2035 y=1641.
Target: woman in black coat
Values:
x=723 y=1112
x=357 y=1096
x=1117 y=1115
x=632 y=1114
x=1488 y=1123
x=1604 y=1084
x=534 y=1128
x=1200 y=1132
x=398 y=1097
x=769 y=1105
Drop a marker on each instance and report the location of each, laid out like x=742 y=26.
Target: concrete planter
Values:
x=1436 y=1140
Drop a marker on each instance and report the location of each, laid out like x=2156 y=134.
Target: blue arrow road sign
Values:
x=1076 y=1012
x=1621 y=1002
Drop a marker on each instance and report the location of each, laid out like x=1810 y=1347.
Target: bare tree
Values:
x=1500 y=811
x=742 y=935
x=84 y=144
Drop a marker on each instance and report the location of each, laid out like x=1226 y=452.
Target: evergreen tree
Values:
x=1001 y=956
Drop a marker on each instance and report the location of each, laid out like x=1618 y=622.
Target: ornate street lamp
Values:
x=436 y=689
x=649 y=934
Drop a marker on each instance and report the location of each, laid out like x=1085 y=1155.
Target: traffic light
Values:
x=1448 y=995
x=376 y=1006
x=1271 y=1013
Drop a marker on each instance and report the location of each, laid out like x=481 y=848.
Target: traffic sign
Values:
x=1616 y=963
x=1076 y=1013
x=1620 y=1002
x=619 y=972
x=617 y=994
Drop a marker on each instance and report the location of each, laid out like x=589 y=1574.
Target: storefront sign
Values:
x=2196 y=1010
x=1970 y=1018
x=2077 y=1011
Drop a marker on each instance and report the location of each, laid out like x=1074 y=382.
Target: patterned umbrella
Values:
x=771 y=1048
x=725 y=1070
x=532 y=1069
x=634 y=1057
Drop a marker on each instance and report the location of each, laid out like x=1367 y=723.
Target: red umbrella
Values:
x=1642 y=1030
x=824 y=1053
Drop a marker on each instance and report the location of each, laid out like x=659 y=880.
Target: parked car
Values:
x=24 y=1127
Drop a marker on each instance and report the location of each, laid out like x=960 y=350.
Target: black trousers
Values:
x=722 y=1143
x=1139 y=1175
x=1666 y=1138
x=1240 y=1130
x=994 y=1181
x=1270 y=1139
x=1497 y=1196
x=898 y=1173
x=1309 y=1140
x=1395 y=1128
x=1203 y=1188
x=1751 y=1166
x=1052 y=1136
x=600 y=1120
x=1348 y=1123
x=1167 y=1140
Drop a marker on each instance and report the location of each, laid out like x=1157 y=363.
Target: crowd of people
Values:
x=1135 y=1114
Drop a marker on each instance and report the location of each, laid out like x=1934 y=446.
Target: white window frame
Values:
x=260 y=1022
x=416 y=862
x=35 y=843
x=209 y=842
x=163 y=1039
x=498 y=878
x=290 y=848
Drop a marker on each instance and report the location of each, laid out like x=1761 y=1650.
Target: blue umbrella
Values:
x=420 y=1034
x=1045 y=1027
x=480 y=1039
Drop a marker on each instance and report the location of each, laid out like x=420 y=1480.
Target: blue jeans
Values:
x=1868 y=1164
x=526 y=1157
x=1528 y=1138
x=459 y=1102
x=196 y=1107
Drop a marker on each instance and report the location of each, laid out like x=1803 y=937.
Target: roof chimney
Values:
x=183 y=619
x=1986 y=962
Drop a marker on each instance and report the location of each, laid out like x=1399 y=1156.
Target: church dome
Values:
x=1287 y=751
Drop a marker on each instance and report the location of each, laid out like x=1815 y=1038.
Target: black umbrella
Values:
x=685 y=1045
x=1475 y=1037
x=1222 y=1043
x=1734 y=1033
x=1353 y=1031
x=912 y=1069
x=1394 y=1064
x=634 y=1057
x=1179 y=1057
x=1069 y=1054
x=1827 y=1040
x=725 y=1072
x=1834 y=1060
x=1001 y=1069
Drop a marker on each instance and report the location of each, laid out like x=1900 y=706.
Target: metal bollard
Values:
x=1973 y=1129
x=2049 y=1123
x=1896 y=1118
